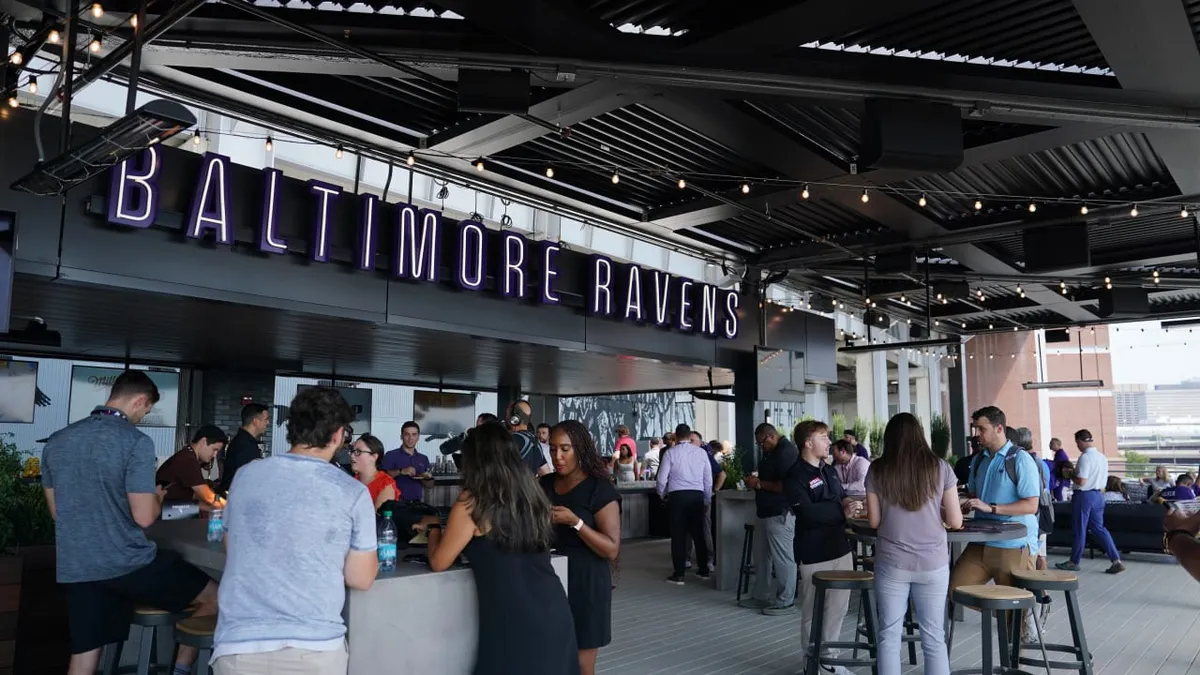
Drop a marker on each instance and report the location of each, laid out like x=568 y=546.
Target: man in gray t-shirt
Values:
x=298 y=532
x=98 y=476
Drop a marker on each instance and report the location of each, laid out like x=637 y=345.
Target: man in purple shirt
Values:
x=405 y=464
x=685 y=481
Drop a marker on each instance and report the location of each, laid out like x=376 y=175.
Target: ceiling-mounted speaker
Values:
x=917 y=332
x=1057 y=335
x=1124 y=303
x=496 y=92
x=908 y=134
x=896 y=262
x=1056 y=247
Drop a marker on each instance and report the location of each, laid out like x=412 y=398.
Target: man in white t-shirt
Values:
x=1087 y=502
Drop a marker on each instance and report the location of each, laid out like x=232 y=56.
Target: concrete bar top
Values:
x=412 y=621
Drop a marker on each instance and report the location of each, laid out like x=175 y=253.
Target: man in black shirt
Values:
x=776 y=525
x=243 y=447
x=518 y=422
x=821 y=510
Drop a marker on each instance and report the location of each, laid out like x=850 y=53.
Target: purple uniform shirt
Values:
x=410 y=488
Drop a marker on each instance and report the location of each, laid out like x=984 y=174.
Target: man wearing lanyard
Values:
x=1087 y=504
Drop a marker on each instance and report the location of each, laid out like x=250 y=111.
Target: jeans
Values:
x=686 y=509
x=773 y=557
x=928 y=590
x=1087 y=508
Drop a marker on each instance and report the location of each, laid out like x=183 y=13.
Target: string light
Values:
x=1020 y=291
x=133 y=20
x=978 y=205
x=745 y=188
x=54 y=37
x=804 y=194
x=196 y=139
x=94 y=45
x=1183 y=212
x=479 y=164
x=682 y=184
x=991 y=326
x=866 y=197
x=616 y=177
x=1032 y=207
x=16 y=59
x=1133 y=211
x=411 y=159
x=549 y=172
x=339 y=151
x=14 y=102
x=922 y=201
x=270 y=145
x=33 y=87
x=97 y=10
x=1108 y=283
x=1083 y=210
x=902 y=298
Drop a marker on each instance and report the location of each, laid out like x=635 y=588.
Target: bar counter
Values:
x=412 y=621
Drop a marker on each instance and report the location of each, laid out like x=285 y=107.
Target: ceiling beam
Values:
x=805 y=21
x=538 y=25
x=730 y=127
x=562 y=111
x=1151 y=47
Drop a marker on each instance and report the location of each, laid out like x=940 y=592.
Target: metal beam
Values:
x=538 y=25
x=561 y=111
x=178 y=12
x=730 y=127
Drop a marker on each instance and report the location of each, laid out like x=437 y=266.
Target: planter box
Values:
x=43 y=645
x=11 y=570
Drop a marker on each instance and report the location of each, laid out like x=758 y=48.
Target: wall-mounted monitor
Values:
x=90 y=387
x=359 y=400
x=441 y=414
x=780 y=375
x=18 y=391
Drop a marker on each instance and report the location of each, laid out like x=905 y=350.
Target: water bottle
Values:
x=387 y=543
x=216 y=525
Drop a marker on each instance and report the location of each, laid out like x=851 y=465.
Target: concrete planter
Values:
x=10 y=604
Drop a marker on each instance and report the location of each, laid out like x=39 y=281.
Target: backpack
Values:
x=1045 y=512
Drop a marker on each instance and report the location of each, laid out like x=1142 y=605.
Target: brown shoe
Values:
x=1116 y=568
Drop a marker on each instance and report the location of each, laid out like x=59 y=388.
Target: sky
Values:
x=1144 y=353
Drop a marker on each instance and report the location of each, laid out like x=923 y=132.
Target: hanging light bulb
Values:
x=54 y=37
x=922 y=201
x=1020 y=291
x=339 y=152
x=978 y=205
x=964 y=325
x=1016 y=328
x=682 y=184
x=866 y=197
x=805 y=194
x=549 y=172
x=33 y=88
x=1032 y=207
x=16 y=59
x=991 y=326
x=411 y=159
x=1154 y=274
x=1133 y=212
x=479 y=164
x=616 y=177
x=133 y=20
x=1083 y=210
x=945 y=301
x=745 y=188
x=97 y=10
x=196 y=139
x=94 y=45
x=14 y=102
x=270 y=145
x=1183 y=212
x=902 y=298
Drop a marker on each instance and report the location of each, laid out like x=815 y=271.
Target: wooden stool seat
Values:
x=199 y=626
x=1045 y=580
x=844 y=580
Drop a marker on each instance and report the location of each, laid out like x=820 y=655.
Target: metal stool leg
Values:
x=949 y=624
x=1037 y=623
x=1076 y=620
x=201 y=667
x=1003 y=622
x=110 y=658
x=818 y=627
x=747 y=567
x=145 y=647
x=985 y=639
x=872 y=620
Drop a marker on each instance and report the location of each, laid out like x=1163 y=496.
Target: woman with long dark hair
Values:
x=587 y=529
x=912 y=497
x=501 y=520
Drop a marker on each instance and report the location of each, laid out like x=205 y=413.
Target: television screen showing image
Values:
x=18 y=391
x=441 y=414
x=359 y=399
x=90 y=386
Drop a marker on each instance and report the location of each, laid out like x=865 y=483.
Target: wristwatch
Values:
x=578 y=525
x=992 y=506
x=1167 y=536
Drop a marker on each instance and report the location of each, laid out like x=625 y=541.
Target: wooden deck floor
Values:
x=1143 y=622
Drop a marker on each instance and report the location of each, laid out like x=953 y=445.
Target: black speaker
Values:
x=1124 y=303
x=498 y=92
x=907 y=134
x=898 y=262
x=917 y=332
x=1056 y=247
x=1057 y=335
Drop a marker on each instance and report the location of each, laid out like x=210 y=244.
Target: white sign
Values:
x=90 y=387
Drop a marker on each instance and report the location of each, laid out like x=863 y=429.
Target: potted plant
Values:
x=875 y=432
x=27 y=584
x=734 y=473
x=939 y=436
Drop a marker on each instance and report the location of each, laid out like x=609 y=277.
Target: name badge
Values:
x=815 y=483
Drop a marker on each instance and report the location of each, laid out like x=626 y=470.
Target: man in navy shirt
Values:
x=859 y=450
x=407 y=465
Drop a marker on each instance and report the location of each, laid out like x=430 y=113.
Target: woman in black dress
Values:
x=587 y=529
x=502 y=522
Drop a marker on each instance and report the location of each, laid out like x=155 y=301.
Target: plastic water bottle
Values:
x=216 y=525
x=387 y=543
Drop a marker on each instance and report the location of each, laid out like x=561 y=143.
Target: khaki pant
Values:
x=836 y=603
x=284 y=662
x=980 y=564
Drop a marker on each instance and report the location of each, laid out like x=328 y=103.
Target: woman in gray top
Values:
x=912 y=498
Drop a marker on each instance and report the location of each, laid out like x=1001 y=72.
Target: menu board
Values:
x=18 y=391
x=90 y=386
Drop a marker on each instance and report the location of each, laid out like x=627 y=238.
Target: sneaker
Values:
x=1116 y=568
x=779 y=611
x=753 y=603
x=687 y=565
x=1068 y=566
x=836 y=670
x=676 y=579
x=704 y=576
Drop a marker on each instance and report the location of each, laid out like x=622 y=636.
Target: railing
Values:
x=1131 y=470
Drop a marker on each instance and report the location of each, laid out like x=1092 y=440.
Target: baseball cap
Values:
x=1083 y=436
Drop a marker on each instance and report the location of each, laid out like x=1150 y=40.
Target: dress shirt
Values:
x=685 y=467
x=853 y=475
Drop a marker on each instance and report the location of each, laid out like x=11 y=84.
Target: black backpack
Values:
x=1045 y=512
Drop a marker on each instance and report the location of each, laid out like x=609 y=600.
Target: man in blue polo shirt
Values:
x=995 y=495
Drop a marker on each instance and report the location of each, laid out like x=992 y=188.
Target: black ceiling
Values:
x=765 y=92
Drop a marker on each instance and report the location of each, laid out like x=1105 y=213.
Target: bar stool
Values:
x=912 y=630
x=197 y=631
x=1054 y=580
x=747 y=568
x=861 y=546
x=147 y=621
x=991 y=601
x=843 y=580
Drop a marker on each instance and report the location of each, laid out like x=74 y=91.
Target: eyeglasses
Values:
x=358 y=453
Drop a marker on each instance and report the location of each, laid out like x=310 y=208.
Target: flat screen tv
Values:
x=441 y=414
x=359 y=400
x=90 y=386
x=18 y=391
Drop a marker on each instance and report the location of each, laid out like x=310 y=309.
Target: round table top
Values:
x=973 y=531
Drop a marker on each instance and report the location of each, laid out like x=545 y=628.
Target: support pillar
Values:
x=903 y=385
x=924 y=409
x=505 y=396
x=816 y=402
x=872 y=383
x=957 y=375
x=747 y=411
x=934 y=366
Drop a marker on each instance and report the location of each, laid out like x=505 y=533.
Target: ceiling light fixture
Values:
x=1133 y=211
x=922 y=201
x=745 y=188
x=804 y=194
x=411 y=159
x=866 y=197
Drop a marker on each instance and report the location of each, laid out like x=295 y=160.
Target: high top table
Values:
x=412 y=621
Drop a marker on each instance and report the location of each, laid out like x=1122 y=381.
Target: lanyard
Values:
x=112 y=412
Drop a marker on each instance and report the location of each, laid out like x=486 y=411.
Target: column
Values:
x=904 y=399
x=957 y=375
x=816 y=402
x=871 y=383
x=924 y=409
x=934 y=366
x=747 y=411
